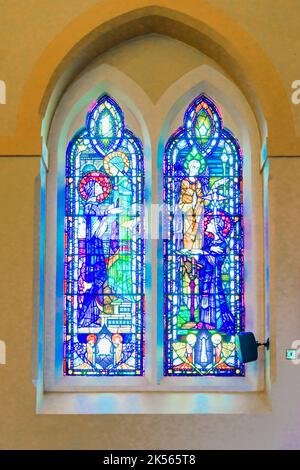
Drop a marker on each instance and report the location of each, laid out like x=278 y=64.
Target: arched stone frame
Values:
x=197 y=23
x=167 y=109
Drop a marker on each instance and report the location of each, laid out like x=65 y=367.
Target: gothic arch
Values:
x=239 y=117
x=199 y=78
x=68 y=117
x=196 y=23
x=147 y=119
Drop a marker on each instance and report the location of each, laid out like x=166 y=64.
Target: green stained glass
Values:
x=203 y=128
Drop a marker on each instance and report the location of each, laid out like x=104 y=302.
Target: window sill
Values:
x=153 y=403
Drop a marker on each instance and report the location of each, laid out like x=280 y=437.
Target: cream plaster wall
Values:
x=26 y=29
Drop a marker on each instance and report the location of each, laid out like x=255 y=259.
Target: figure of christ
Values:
x=191 y=204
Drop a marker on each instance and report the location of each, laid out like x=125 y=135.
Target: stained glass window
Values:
x=104 y=247
x=203 y=246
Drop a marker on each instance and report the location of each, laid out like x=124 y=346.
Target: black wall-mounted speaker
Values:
x=247 y=347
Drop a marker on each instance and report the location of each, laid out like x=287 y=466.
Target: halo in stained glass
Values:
x=194 y=155
x=203 y=122
x=105 y=124
x=116 y=163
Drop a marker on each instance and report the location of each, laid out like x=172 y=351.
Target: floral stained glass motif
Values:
x=104 y=247
x=203 y=246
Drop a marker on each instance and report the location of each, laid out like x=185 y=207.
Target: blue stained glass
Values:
x=203 y=246
x=104 y=247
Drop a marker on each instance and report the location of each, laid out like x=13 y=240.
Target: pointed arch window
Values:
x=128 y=314
x=104 y=247
x=203 y=246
